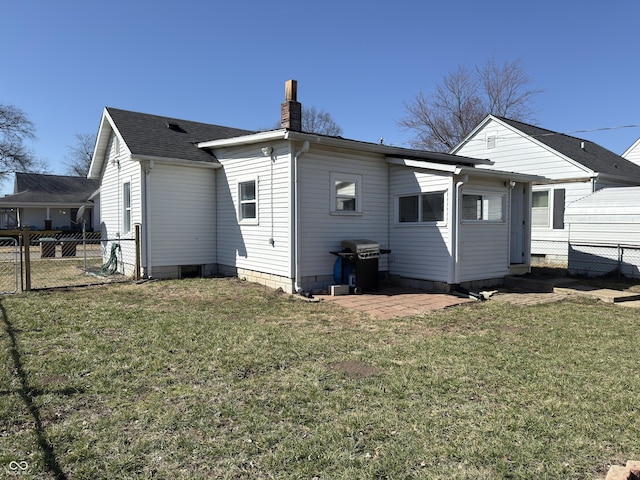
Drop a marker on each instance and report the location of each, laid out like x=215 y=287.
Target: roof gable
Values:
x=588 y=154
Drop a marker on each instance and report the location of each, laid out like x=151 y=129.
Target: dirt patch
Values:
x=355 y=369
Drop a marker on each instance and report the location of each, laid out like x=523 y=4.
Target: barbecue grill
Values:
x=359 y=257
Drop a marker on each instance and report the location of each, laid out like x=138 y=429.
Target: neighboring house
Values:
x=48 y=202
x=633 y=153
x=272 y=206
x=573 y=167
x=604 y=233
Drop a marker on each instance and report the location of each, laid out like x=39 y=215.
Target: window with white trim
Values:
x=248 y=201
x=540 y=208
x=424 y=207
x=488 y=207
x=346 y=193
x=126 y=207
x=491 y=140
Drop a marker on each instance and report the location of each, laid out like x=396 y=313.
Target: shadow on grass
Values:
x=27 y=393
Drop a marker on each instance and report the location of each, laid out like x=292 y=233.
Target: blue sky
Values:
x=226 y=62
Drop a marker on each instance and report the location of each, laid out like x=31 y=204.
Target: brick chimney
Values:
x=291 y=109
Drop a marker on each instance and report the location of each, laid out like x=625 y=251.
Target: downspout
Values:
x=296 y=228
x=148 y=166
x=456 y=226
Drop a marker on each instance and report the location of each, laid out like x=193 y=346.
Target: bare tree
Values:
x=319 y=121
x=442 y=120
x=15 y=128
x=80 y=154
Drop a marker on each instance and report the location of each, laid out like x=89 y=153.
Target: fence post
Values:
x=26 y=242
x=620 y=258
x=137 y=246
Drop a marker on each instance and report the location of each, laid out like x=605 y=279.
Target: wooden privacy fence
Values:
x=31 y=260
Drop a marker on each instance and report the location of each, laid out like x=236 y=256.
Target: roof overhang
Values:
x=176 y=161
x=338 y=142
x=466 y=170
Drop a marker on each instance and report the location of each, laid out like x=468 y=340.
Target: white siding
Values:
x=182 y=223
x=609 y=216
x=633 y=153
x=604 y=232
x=420 y=251
x=250 y=246
x=322 y=231
x=516 y=153
x=484 y=245
x=118 y=169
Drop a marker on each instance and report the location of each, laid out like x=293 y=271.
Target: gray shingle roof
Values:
x=592 y=156
x=158 y=136
x=59 y=189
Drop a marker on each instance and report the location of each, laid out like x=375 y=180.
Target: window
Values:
x=248 y=203
x=547 y=210
x=540 y=209
x=426 y=207
x=126 y=207
x=486 y=207
x=491 y=140
x=346 y=193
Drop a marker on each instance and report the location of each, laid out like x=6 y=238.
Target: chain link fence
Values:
x=9 y=265
x=597 y=260
x=35 y=260
x=549 y=253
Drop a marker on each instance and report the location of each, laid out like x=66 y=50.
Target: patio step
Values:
x=538 y=285
x=604 y=294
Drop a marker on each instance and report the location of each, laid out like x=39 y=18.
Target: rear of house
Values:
x=274 y=207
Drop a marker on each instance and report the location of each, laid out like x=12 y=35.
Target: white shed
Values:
x=604 y=233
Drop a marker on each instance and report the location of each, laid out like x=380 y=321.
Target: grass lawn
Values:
x=216 y=378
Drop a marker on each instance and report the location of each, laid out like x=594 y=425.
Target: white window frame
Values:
x=337 y=177
x=483 y=206
x=421 y=220
x=491 y=140
x=241 y=202
x=126 y=207
x=548 y=209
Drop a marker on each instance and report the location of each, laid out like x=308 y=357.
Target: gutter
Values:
x=456 y=226
x=147 y=167
x=296 y=217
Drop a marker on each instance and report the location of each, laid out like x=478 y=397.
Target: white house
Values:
x=604 y=233
x=633 y=152
x=573 y=168
x=272 y=206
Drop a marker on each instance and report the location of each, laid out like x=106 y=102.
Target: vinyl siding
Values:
x=516 y=153
x=484 y=245
x=182 y=223
x=610 y=216
x=420 y=251
x=248 y=246
x=322 y=231
x=119 y=169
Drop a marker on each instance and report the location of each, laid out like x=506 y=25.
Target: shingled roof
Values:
x=588 y=154
x=165 y=137
x=36 y=188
